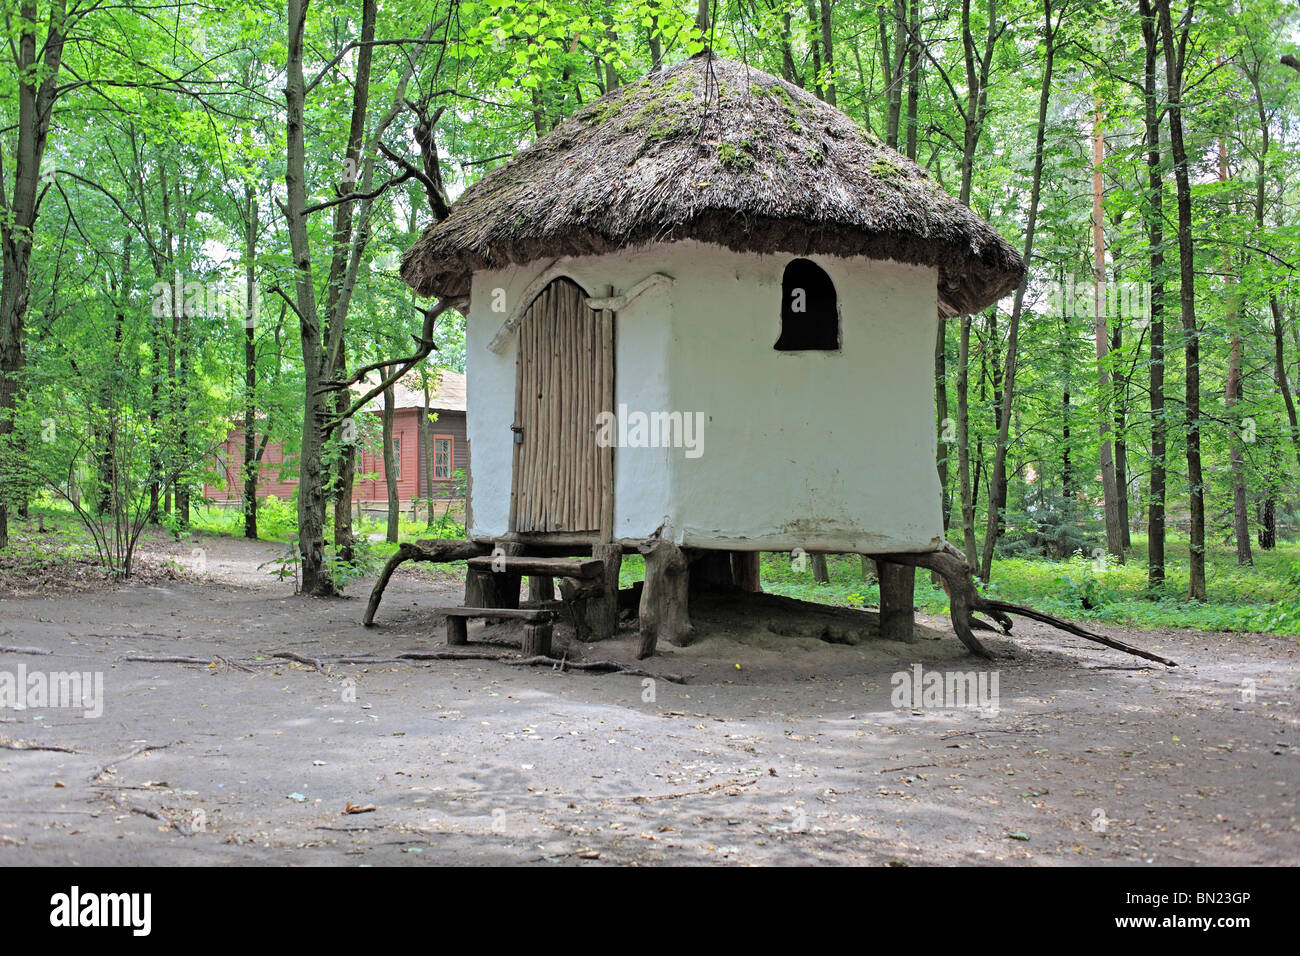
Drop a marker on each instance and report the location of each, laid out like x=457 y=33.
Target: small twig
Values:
x=597 y=667
x=94 y=777
x=354 y=829
x=19 y=745
x=298 y=658
x=152 y=814
x=155 y=659
x=24 y=650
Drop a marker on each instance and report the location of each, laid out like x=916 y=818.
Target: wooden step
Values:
x=535 y=615
x=537 y=625
x=586 y=569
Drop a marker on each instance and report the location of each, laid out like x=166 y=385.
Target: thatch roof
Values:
x=719 y=152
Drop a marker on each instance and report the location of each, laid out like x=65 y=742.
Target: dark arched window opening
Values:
x=810 y=314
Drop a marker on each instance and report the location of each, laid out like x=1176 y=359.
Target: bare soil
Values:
x=782 y=747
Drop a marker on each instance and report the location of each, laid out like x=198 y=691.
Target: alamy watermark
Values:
x=228 y=299
x=1116 y=300
x=637 y=429
x=920 y=689
x=24 y=690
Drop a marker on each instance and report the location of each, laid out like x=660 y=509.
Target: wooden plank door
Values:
x=564 y=379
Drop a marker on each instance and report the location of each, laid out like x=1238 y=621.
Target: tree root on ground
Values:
x=965 y=601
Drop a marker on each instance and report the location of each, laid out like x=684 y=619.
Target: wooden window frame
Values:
x=451 y=456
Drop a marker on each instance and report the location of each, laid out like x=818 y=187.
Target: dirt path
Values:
x=779 y=749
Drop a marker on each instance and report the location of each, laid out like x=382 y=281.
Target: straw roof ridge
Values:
x=719 y=152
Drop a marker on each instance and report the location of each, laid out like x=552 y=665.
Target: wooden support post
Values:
x=602 y=611
x=664 y=610
x=711 y=571
x=745 y=567
x=820 y=574
x=537 y=640
x=897 y=613
x=541 y=588
x=577 y=607
x=495 y=588
x=457 y=631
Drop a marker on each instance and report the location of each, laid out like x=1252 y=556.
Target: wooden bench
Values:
x=537 y=626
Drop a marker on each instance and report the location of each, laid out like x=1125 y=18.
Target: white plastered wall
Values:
x=826 y=451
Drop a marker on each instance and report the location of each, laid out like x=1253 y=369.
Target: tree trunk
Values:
x=963 y=438
x=390 y=464
x=1101 y=334
x=250 y=362
x=430 y=459
x=1155 y=240
x=998 y=483
x=311 y=477
x=1174 y=62
x=828 y=50
x=35 y=83
x=1233 y=395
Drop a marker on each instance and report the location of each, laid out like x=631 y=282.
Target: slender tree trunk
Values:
x=998 y=483
x=1101 y=333
x=828 y=49
x=430 y=458
x=913 y=75
x=36 y=83
x=311 y=484
x=941 y=414
x=1174 y=63
x=250 y=362
x=1155 y=241
x=1121 y=437
x=1233 y=395
x=819 y=85
x=963 y=438
x=390 y=463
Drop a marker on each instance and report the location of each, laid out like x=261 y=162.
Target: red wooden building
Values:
x=446 y=432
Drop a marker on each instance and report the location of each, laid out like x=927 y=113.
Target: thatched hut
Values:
x=702 y=317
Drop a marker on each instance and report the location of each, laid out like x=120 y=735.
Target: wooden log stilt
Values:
x=498 y=587
x=745 y=566
x=710 y=571
x=897 y=611
x=537 y=640
x=577 y=605
x=664 y=607
x=602 y=611
x=457 y=631
x=541 y=588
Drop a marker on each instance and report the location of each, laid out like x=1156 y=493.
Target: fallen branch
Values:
x=134 y=753
x=164 y=659
x=433 y=549
x=152 y=814
x=356 y=829
x=299 y=659
x=1069 y=628
x=595 y=667
x=965 y=600
x=19 y=745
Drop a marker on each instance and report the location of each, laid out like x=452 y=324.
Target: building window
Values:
x=397 y=459
x=810 y=314
x=441 y=457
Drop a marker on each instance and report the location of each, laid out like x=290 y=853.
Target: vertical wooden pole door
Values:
x=564 y=380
